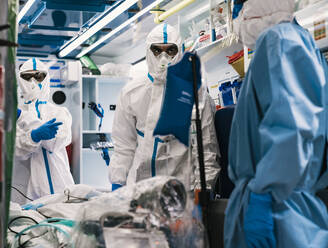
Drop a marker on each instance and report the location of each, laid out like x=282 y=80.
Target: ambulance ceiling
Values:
x=72 y=28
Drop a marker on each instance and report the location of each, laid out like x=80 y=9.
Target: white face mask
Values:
x=30 y=89
x=157 y=65
x=164 y=60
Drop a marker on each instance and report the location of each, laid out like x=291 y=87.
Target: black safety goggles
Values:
x=170 y=49
x=37 y=75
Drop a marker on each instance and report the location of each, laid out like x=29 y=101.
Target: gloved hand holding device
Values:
x=258 y=222
x=46 y=131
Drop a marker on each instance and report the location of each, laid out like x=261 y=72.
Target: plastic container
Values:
x=237 y=62
x=236 y=85
x=226 y=91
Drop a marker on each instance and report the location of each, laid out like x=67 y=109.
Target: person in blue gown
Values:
x=278 y=142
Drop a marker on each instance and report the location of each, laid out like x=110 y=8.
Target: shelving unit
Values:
x=214 y=55
x=209 y=46
x=104 y=90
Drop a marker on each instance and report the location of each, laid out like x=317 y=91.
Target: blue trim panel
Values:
x=37 y=108
x=44 y=151
x=153 y=159
x=58 y=86
x=34 y=64
x=150 y=78
x=31 y=55
x=140 y=133
x=165 y=33
x=213 y=35
x=42 y=27
x=54 y=67
x=55 y=80
x=44 y=60
x=73 y=6
x=37 y=13
x=37 y=103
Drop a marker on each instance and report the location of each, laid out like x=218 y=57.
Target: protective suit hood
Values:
x=258 y=15
x=163 y=33
x=33 y=90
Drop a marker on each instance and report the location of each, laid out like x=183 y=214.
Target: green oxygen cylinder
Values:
x=88 y=66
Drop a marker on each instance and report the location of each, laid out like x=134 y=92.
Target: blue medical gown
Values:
x=278 y=136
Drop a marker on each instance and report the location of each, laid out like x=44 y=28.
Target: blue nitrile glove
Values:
x=105 y=155
x=258 y=222
x=116 y=186
x=31 y=206
x=46 y=131
x=18 y=113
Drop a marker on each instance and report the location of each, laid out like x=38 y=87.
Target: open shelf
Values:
x=225 y=42
x=107 y=78
x=96 y=131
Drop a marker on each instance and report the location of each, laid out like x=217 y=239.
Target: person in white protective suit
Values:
x=43 y=131
x=137 y=153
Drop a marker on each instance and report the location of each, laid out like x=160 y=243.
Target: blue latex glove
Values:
x=116 y=186
x=46 y=131
x=105 y=155
x=258 y=222
x=18 y=113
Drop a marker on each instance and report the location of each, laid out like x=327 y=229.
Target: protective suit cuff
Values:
x=33 y=142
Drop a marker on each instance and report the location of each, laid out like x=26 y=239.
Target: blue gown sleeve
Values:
x=289 y=82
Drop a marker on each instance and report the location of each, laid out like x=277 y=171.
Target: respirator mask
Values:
x=163 y=54
x=31 y=84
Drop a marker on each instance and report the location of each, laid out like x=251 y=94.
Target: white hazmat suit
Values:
x=40 y=168
x=137 y=153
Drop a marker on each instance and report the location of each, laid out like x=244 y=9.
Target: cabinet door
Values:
x=95 y=170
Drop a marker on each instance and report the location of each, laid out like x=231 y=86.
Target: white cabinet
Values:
x=103 y=90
